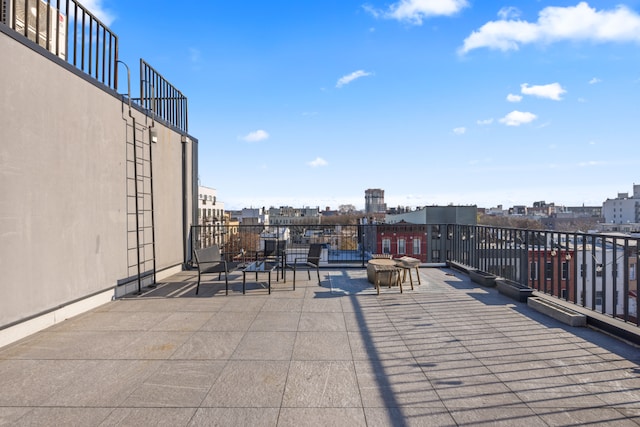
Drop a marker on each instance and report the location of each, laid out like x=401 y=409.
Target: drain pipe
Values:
x=153 y=138
x=185 y=234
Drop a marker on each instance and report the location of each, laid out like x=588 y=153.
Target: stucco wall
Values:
x=63 y=189
x=437 y=215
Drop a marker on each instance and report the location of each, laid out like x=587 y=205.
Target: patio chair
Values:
x=381 y=256
x=210 y=261
x=311 y=261
x=275 y=251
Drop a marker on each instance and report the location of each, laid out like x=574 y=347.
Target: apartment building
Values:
x=251 y=216
x=402 y=239
x=287 y=215
x=210 y=209
x=437 y=215
x=624 y=209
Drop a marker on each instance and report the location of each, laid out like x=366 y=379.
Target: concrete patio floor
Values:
x=446 y=354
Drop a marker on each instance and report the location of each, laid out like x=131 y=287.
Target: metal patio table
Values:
x=259 y=267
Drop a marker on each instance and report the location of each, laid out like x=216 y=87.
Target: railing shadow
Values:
x=491 y=297
x=506 y=371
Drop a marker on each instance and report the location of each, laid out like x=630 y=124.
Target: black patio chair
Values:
x=210 y=261
x=311 y=261
x=276 y=251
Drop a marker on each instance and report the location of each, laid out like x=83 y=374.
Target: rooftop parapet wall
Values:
x=69 y=33
x=65 y=169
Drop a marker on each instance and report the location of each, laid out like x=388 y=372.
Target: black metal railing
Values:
x=161 y=98
x=594 y=271
x=70 y=31
x=342 y=244
x=598 y=272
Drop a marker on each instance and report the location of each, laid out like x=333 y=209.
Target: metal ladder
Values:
x=141 y=248
x=141 y=254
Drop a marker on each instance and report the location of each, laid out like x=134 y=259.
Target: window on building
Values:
x=435 y=255
x=533 y=270
x=598 y=297
x=416 y=246
x=632 y=271
x=386 y=246
x=565 y=270
x=563 y=293
x=548 y=270
x=402 y=249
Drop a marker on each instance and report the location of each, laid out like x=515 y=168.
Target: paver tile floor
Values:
x=449 y=353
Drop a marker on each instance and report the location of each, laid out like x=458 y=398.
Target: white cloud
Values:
x=514 y=98
x=372 y=10
x=256 y=136
x=96 y=8
x=594 y=81
x=414 y=11
x=551 y=91
x=460 y=130
x=317 y=162
x=510 y=12
x=485 y=122
x=517 y=118
x=344 y=80
x=575 y=23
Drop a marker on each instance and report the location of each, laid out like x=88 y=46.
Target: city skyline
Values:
x=449 y=102
x=361 y=206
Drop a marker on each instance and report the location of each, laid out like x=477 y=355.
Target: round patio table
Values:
x=384 y=280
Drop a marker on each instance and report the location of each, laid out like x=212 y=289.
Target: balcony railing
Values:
x=598 y=272
x=594 y=271
x=342 y=244
x=161 y=98
x=71 y=32
x=68 y=30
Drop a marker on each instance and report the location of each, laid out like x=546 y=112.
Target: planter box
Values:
x=557 y=311
x=483 y=278
x=514 y=290
x=460 y=267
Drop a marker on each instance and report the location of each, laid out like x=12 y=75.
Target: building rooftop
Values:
x=447 y=353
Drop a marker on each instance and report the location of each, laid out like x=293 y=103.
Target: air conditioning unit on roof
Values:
x=51 y=27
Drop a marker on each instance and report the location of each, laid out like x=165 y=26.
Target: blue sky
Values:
x=311 y=102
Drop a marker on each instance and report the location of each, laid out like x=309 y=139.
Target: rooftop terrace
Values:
x=447 y=353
